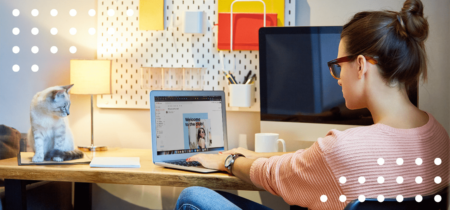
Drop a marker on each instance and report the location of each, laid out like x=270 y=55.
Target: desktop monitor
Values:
x=299 y=98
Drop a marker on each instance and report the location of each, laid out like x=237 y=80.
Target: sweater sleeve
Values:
x=300 y=178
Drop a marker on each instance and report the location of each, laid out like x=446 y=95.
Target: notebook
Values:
x=186 y=123
x=115 y=162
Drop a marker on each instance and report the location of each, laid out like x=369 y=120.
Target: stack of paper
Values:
x=115 y=162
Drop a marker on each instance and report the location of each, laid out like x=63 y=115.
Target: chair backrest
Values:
x=9 y=142
x=427 y=202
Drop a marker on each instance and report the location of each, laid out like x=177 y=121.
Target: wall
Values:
x=131 y=128
x=17 y=88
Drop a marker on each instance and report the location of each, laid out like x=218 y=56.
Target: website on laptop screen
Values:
x=188 y=124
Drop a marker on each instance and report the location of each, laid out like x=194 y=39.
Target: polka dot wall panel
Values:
x=135 y=53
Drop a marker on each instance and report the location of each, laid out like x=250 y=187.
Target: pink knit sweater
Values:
x=301 y=178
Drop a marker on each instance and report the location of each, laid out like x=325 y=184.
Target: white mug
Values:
x=268 y=142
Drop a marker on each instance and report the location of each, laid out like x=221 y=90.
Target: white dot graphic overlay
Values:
x=361 y=198
x=419 y=180
x=380 y=161
x=16 y=49
x=34 y=68
x=437 y=198
x=380 y=198
x=73 y=31
x=16 y=31
x=72 y=12
x=399 y=179
x=92 y=31
x=16 y=68
x=53 y=49
x=15 y=12
x=34 y=12
x=111 y=12
x=342 y=198
x=130 y=12
x=399 y=161
x=361 y=179
x=437 y=180
x=437 y=161
x=380 y=180
x=53 y=31
x=323 y=198
x=399 y=198
x=419 y=161
x=91 y=12
x=73 y=49
x=35 y=31
x=34 y=49
x=419 y=198
x=342 y=180
x=53 y=12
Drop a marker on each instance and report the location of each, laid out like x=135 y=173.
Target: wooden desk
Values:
x=149 y=174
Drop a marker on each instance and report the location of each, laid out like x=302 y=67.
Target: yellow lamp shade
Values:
x=90 y=76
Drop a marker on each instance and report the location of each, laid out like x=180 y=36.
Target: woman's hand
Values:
x=247 y=153
x=211 y=161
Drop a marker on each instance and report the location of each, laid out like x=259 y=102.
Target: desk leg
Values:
x=83 y=196
x=15 y=194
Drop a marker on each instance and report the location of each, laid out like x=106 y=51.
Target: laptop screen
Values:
x=188 y=124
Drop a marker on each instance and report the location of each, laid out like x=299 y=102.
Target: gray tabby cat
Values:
x=50 y=135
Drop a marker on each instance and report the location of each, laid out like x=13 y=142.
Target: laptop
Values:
x=186 y=123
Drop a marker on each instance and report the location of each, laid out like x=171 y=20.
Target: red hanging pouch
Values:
x=245 y=29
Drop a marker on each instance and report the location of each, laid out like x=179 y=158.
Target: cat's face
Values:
x=58 y=101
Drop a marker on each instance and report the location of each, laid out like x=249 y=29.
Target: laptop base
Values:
x=200 y=169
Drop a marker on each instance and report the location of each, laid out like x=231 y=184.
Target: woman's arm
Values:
x=253 y=155
x=240 y=168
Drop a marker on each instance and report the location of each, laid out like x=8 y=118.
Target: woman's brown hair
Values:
x=396 y=39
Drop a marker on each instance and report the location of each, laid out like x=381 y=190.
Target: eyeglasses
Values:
x=335 y=68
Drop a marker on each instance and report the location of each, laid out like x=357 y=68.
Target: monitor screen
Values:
x=188 y=124
x=295 y=81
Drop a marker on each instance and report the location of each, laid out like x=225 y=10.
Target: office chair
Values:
x=428 y=203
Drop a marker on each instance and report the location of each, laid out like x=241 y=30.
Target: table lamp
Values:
x=91 y=77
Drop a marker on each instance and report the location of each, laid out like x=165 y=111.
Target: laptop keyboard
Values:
x=184 y=163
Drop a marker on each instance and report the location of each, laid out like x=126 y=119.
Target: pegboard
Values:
x=120 y=40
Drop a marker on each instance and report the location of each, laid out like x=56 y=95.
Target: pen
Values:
x=229 y=77
x=251 y=80
x=247 y=77
x=232 y=77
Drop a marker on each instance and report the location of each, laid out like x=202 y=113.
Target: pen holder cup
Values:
x=241 y=95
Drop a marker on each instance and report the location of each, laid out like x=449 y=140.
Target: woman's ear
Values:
x=361 y=62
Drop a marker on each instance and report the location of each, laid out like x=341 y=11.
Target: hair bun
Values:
x=415 y=24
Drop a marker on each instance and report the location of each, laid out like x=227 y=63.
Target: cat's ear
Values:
x=68 y=87
x=55 y=93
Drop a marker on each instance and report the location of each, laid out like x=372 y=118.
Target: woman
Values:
x=381 y=53
x=201 y=141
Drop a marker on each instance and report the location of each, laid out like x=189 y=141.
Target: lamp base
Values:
x=92 y=148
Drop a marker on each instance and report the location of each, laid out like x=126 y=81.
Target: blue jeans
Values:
x=200 y=198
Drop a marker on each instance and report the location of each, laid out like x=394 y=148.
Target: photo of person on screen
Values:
x=201 y=141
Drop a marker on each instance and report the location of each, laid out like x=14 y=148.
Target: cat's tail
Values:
x=63 y=155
